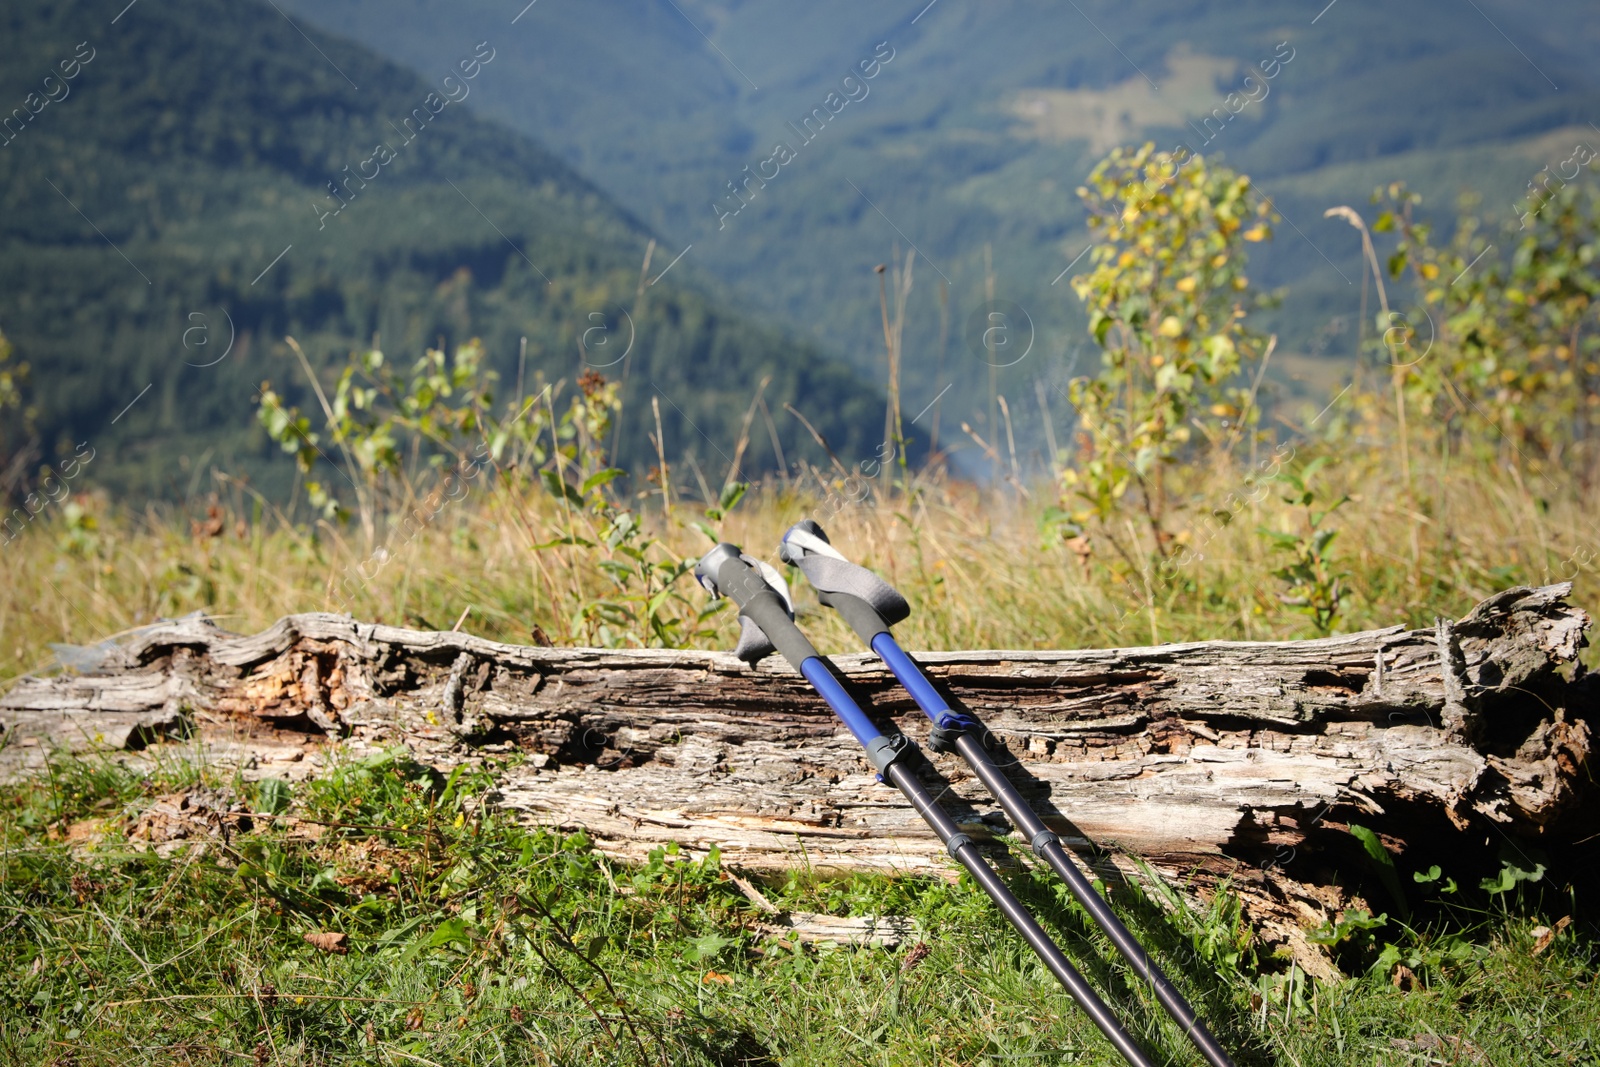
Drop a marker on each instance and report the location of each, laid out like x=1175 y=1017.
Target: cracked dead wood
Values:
x=1209 y=761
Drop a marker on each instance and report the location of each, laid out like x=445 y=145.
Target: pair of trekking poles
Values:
x=871 y=606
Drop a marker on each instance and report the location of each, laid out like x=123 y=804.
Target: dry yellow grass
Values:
x=973 y=562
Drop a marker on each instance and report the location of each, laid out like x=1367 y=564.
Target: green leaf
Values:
x=273 y=796
x=1384 y=863
x=706 y=947
x=1432 y=875
x=1279 y=539
x=452 y=931
x=1100 y=326
x=1348 y=923
x=619 y=571
x=1145 y=459
x=623 y=528
x=447 y=795
x=732 y=493
x=600 y=478
x=1055 y=522
x=557 y=487
x=608 y=611
x=1510 y=874
x=656 y=601
x=1386 y=960
x=569 y=539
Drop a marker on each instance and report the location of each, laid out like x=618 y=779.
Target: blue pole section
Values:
x=905 y=669
x=822 y=679
x=910 y=675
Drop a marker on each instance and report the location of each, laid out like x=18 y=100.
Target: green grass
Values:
x=473 y=939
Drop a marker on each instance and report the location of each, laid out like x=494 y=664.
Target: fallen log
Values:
x=1211 y=761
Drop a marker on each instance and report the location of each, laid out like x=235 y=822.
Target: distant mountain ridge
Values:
x=662 y=103
x=223 y=174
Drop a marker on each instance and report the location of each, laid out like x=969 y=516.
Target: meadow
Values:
x=470 y=938
x=383 y=913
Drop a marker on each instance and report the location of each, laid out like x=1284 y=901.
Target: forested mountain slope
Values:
x=180 y=177
x=970 y=141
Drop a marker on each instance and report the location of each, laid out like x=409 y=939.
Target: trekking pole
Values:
x=767 y=625
x=870 y=605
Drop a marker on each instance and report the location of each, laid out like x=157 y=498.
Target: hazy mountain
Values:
x=184 y=179
x=970 y=141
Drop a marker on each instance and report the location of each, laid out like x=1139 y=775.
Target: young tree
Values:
x=1166 y=302
x=1514 y=368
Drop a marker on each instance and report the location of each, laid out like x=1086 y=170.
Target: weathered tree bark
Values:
x=1209 y=761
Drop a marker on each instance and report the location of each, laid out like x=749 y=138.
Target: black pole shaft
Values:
x=1031 y=826
x=728 y=574
x=851 y=594
x=968 y=856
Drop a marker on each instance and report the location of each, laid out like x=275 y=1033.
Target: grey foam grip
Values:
x=862 y=617
x=763 y=616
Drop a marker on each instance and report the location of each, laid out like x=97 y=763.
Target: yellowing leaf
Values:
x=1170 y=326
x=1257 y=232
x=1429 y=271
x=1219 y=346
x=1185 y=285
x=328 y=941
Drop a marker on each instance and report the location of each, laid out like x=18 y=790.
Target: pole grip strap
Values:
x=807 y=547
